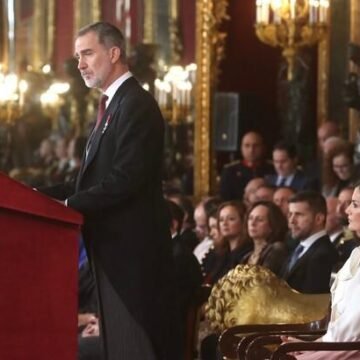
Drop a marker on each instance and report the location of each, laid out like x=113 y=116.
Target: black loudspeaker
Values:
x=233 y=115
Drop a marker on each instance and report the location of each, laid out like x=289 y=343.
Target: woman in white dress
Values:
x=344 y=324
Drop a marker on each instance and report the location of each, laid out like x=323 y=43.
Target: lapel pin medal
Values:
x=106 y=124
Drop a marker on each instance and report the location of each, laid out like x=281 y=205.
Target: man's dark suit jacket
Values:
x=235 y=176
x=311 y=273
x=300 y=181
x=119 y=192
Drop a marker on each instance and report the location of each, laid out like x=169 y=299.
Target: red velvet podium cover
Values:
x=38 y=275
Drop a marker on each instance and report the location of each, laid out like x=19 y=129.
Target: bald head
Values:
x=252 y=147
x=250 y=190
x=331 y=143
x=326 y=130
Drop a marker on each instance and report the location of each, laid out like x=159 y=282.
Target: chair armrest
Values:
x=230 y=338
x=311 y=346
x=257 y=343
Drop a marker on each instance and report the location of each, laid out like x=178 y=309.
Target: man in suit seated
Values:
x=235 y=176
x=187 y=271
x=308 y=268
x=285 y=161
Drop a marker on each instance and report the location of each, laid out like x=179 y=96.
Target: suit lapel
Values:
x=104 y=123
x=308 y=253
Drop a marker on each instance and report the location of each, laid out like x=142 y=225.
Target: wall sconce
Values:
x=291 y=25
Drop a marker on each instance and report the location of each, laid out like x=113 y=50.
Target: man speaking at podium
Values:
x=118 y=190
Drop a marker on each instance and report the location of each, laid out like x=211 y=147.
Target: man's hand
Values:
x=92 y=329
x=85 y=319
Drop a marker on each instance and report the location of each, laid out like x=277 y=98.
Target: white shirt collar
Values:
x=335 y=235
x=310 y=240
x=288 y=178
x=111 y=90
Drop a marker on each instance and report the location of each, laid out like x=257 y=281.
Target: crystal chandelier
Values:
x=291 y=25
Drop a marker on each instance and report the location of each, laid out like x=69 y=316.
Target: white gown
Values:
x=344 y=324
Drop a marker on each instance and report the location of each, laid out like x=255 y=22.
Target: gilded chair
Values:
x=253 y=295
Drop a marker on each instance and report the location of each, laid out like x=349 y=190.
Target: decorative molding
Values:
x=323 y=80
x=210 y=44
x=44 y=30
x=86 y=12
x=176 y=45
x=149 y=30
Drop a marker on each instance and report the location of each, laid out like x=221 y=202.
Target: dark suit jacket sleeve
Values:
x=59 y=191
x=318 y=271
x=137 y=149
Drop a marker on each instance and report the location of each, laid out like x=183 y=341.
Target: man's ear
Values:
x=174 y=226
x=320 y=218
x=115 y=53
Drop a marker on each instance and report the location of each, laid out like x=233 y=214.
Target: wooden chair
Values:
x=192 y=322
x=281 y=352
x=261 y=346
x=234 y=341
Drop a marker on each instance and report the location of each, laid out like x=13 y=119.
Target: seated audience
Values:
x=235 y=176
x=232 y=245
x=308 y=269
x=202 y=212
x=347 y=240
x=339 y=170
x=75 y=152
x=281 y=198
x=266 y=228
x=345 y=312
x=264 y=193
x=287 y=173
x=313 y=168
x=188 y=278
x=187 y=233
x=250 y=191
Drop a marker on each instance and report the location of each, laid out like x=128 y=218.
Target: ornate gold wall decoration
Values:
x=4 y=47
x=176 y=45
x=149 y=31
x=354 y=115
x=209 y=52
x=86 y=12
x=44 y=27
x=323 y=80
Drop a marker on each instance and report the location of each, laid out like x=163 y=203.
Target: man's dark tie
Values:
x=295 y=256
x=101 y=110
x=282 y=181
x=100 y=114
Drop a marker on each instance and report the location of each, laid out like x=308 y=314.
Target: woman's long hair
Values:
x=277 y=222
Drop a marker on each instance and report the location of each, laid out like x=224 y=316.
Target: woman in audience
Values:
x=230 y=246
x=339 y=170
x=266 y=228
x=344 y=323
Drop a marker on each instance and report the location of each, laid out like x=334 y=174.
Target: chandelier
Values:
x=291 y=25
x=174 y=93
x=16 y=91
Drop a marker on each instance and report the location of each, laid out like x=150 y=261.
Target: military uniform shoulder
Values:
x=347 y=235
x=233 y=164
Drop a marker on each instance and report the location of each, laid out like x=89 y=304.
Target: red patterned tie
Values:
x=101 y=110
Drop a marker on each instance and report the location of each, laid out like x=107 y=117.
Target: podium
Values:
x=38 y=275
